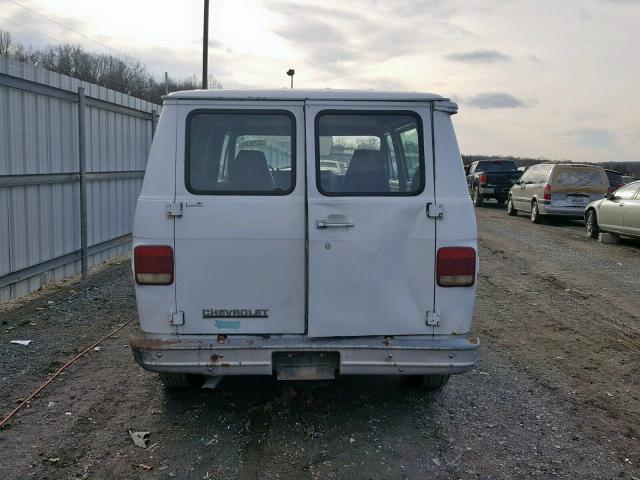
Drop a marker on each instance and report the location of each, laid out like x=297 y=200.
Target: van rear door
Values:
x=240 y=244
x=371 y=243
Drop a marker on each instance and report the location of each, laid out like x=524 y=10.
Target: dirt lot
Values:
x=556 y=393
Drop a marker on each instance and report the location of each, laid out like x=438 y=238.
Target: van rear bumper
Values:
x=573 y=212
x=249 y=355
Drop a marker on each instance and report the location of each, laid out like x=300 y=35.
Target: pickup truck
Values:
x=491 y=179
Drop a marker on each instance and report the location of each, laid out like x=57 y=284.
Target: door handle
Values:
x=621 y=204
x=321 y=224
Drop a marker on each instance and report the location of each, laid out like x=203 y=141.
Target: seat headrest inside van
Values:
x=250 y=172
x=366 y=173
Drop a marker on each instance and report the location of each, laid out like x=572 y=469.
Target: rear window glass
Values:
x=614 y=177
x=240 y=152
x=489 y=166
x=369 y=153
x=579 y=178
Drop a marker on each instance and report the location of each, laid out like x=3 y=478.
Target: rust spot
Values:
x=216 y=356
x=386 y=341
x=474 y=340
x=143 y=343
x=222 y=338
x=250 y=342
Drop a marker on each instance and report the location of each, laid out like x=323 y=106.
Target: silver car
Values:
x=562 y=189
x=619 y=213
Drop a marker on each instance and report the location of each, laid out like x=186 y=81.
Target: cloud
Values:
x=313 y=10
x=340 y=41
x=624 y=2
x=478 y=56
x=216 y=45
x=495 y=100
x=310 y=29
x=593 y=138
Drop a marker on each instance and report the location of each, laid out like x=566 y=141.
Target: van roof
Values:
x=307 y=94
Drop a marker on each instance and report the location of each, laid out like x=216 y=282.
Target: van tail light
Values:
x=547 y=192
x=483 y=179
x=153 y=264
x=456 y=267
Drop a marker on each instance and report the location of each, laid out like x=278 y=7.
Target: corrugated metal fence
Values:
x=41 y=176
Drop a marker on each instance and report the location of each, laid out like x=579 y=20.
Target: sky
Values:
x=552 y=79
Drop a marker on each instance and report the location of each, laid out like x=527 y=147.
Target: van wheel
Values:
x=591 y=224
x=535 y=213
x=511 y=210
x=476 y=197
x=181 y=380
x=432 y=382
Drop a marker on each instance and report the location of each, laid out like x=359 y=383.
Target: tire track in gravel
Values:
x=560 y=320
x=523 y=413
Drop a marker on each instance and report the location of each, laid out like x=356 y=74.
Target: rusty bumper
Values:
x=250 y=355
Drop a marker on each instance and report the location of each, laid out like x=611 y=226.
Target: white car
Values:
x=618 y=214
x=250 y=259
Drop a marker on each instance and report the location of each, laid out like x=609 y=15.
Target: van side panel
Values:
x=457 y=227
x=151 y=225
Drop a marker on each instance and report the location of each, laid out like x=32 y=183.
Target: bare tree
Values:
x=5 y=43
x=125 y=74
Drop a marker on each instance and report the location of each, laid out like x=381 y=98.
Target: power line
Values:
x=124 y=55
x=126 y=87
x=68 y=28
x=31 y=29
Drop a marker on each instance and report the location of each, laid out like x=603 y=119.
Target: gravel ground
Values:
x=555 y=394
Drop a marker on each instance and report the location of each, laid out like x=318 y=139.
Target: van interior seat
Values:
x=330 y=181
x=415 y=181
x=250 y=172
x=282 y=179
x=366 y=173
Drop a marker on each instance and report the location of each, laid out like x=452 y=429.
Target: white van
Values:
x=306 y=233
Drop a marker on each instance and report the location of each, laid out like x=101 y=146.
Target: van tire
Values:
x=181 y=380
x=591 y=224
x=535 y=213
x=511 y=210
x=476 y=197
x=432 y=382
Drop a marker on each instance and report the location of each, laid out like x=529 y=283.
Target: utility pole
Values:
x=291 y=72
x=166 y=83
x=82 y=157
x=205 y=45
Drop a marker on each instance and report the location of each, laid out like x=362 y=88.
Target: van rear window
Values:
x=579 y=178
x=240 y=152
x=369 y=153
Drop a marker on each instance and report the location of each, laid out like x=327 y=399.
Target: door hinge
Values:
x=433 y=318
x=435 y=210
x=174 y=210
x=176 y=318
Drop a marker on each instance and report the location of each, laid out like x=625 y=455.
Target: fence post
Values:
x=82 y=155
x=154 y=121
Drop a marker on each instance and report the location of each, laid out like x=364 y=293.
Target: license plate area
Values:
x=577 y=199
x=305 y=365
